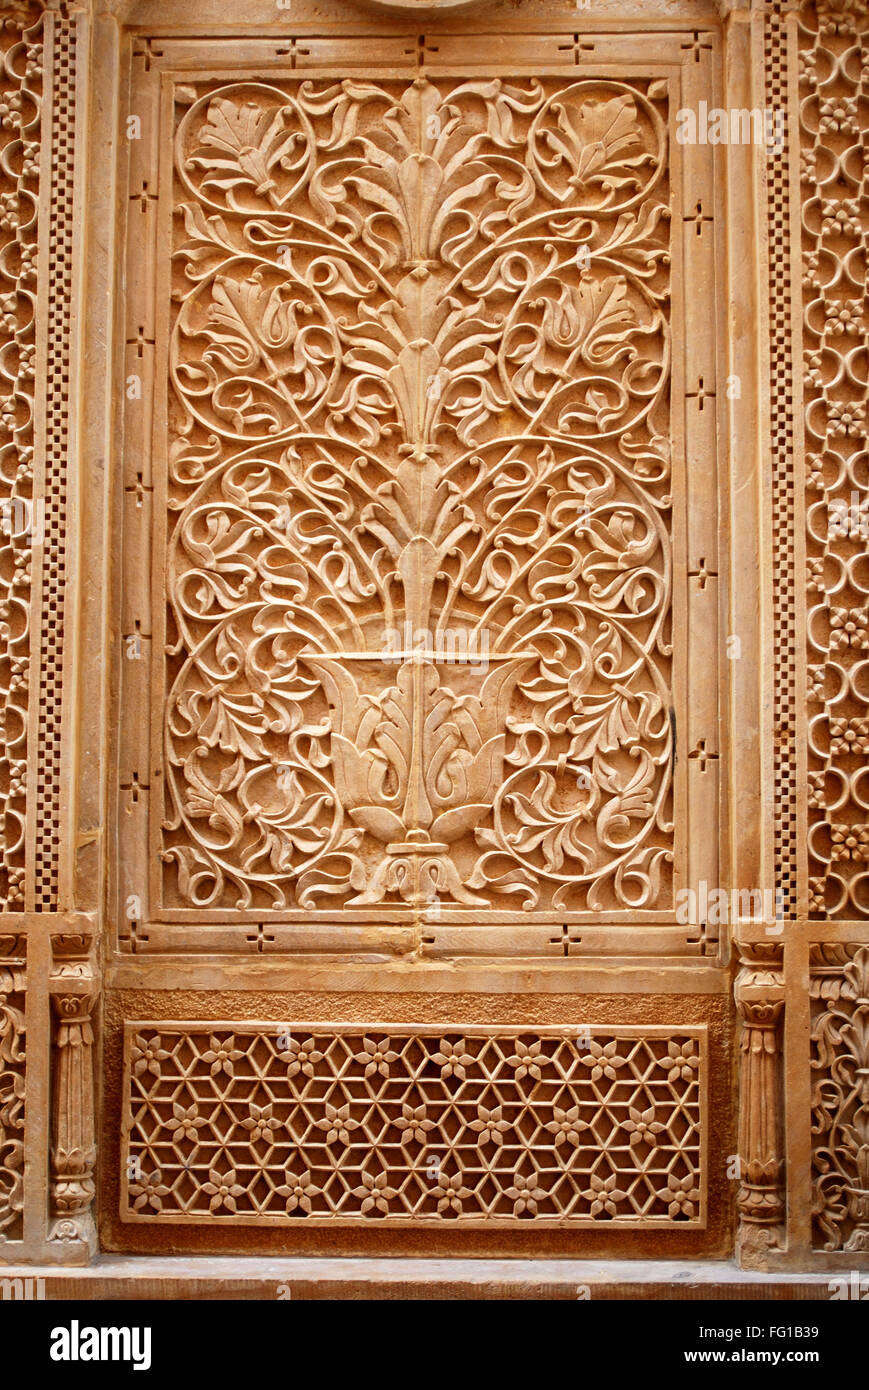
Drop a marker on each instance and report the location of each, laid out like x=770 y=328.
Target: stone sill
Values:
x=191 y=1279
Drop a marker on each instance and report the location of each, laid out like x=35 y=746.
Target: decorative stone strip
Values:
x=13 y=984
x=839 y=986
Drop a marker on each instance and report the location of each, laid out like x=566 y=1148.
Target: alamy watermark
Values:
x=22 y=517
x=447 y=644
x=731 y=126
x=848 y=518
x=27 y=1290
x=77 y=1343
x=718 y=906
x=852 y=1286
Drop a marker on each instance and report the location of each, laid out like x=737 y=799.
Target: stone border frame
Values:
x=158 y=65
x=779 y=986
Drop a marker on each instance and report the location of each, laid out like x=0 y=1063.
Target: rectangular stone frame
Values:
x=154 y=67
x=474 y=952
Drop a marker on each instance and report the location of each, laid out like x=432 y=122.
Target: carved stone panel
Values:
x=834 y=46
x=22 y=514
x=257 y=1124
x=840 y=1096
x=433 y=494
x=13 y=984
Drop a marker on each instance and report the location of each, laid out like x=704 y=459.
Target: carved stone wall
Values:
x=419 y=597
x=419 y=579
x=42 y=156
x=828 y=54
x=462 y=551
x=840 y=1096
x=21 y=507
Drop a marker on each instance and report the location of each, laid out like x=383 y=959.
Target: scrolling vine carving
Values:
x=13 y=954
x=839 y=988
x=419 y=579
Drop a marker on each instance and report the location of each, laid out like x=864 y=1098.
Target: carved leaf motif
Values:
x=241 y=145
x=600 y=142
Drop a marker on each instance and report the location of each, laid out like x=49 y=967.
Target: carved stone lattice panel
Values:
x=21 y=517
x=262 y=1123
x=834 y=53
x=13 y=983
x=421 y=504
x=840 y=1096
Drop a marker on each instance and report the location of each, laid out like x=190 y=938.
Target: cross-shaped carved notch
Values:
x=702 y=573
x=702 y=755
x=700 y=395
x=293 y=52
x=699 y=218
x=143 y=197
x=421 y=50
x=136 y=937
x=262 y=938
x=697 y=44
x=144 y=49
x=565 y=940
x=140 y=342
x=578 y=47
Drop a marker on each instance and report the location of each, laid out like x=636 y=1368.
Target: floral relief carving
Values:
x=840 y=1095
x=20 y=119
x=12 y=1084
x=833 y=64
x=449 y=1126
x=419 y=564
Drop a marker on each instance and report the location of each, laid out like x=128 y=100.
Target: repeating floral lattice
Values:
x=834 y=75
x=21 y=520
x=255 y=1123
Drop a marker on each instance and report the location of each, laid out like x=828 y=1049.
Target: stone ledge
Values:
x=247 y=1278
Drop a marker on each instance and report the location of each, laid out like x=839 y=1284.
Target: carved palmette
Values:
x=419 y=573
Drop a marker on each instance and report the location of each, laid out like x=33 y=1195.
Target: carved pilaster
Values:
x=73 y=1143
x=760 y=1002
